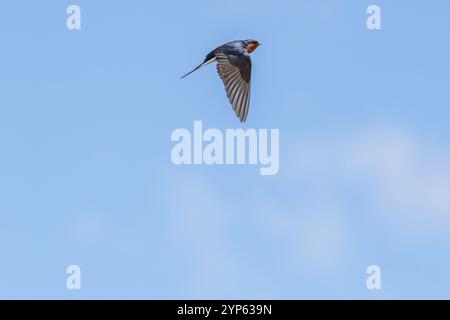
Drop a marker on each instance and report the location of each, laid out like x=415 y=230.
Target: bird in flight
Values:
x=234 y=66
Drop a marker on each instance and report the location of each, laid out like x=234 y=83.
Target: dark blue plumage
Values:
x=234 y=67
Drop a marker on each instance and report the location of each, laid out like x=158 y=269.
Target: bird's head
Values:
x=251 y=45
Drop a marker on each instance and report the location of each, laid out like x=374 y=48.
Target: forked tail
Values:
x=198 y=67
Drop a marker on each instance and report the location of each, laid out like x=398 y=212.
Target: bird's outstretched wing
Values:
x=235 y=71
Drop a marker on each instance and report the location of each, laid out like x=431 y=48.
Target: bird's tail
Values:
x=198 y=67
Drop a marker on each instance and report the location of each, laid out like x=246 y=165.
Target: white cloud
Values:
x=412 y=180
x=200 y=225
x=405 y=185
x=408 y=182
x=316 y=240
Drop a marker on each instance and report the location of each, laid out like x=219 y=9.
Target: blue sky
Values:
x=86 y=176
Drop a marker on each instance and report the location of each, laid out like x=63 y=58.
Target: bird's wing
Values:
x=235 y=71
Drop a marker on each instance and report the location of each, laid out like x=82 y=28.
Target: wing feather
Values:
x=235 y=72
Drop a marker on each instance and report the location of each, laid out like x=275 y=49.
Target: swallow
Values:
x=234 y=66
